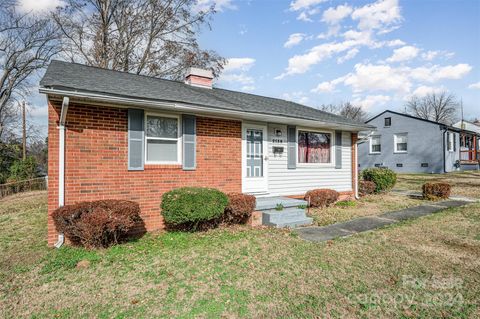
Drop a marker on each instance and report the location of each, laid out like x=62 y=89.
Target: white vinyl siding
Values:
x=284 y=181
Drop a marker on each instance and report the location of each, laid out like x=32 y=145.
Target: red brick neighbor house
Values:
x=115 y=135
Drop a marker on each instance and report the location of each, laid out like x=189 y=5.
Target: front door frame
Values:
x=254 y=185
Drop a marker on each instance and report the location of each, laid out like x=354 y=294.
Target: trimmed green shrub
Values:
x=366 y=188
x=321 y=197
x=435 y=191
x=384 y=178
x=239 y=209
x=99 y=223
x=190 y=206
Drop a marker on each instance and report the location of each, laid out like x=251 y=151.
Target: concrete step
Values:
x=292 y=223
x=290 y=217
x=275 y=216
x=268 y=203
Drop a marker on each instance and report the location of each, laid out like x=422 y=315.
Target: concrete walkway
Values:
x=362 y=224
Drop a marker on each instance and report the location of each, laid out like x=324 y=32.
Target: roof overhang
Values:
x=191 y=108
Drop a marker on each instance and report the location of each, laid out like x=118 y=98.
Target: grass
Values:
x=463 y=183
x=365 y=206
x=422 y=268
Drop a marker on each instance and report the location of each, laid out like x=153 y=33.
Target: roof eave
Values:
x=202 y=109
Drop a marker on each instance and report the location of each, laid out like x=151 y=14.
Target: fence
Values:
x=34 y=184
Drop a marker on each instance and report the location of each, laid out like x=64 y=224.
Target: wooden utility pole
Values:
x=24 y=132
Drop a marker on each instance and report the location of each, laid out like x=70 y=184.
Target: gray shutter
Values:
x=291 y=147
x=338 y=149
x=189 y=142
x=136 y=143
x=454 y=142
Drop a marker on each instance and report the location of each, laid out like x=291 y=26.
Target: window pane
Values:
x=313 y=147
x=166 y=127
x=161 y=151
x=401 y=138
x=376 y=148
x=401 y=146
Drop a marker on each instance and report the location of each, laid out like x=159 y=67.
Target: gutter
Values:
x=186 y=107
x=61 y=162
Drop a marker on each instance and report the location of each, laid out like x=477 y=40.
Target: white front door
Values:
x=254 y=158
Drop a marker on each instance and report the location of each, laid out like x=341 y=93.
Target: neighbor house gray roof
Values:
x=81 y=78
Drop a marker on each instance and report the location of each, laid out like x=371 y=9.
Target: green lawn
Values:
x=463 y=183
x=423 y=268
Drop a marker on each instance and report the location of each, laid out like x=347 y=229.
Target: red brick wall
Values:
x=96 y=161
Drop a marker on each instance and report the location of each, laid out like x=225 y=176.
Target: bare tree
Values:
x=439 y=107
x=347 y=110
x=27 y=44
x=151 y=37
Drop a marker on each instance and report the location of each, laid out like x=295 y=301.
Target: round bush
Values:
x=366 y=187
x=435 y=191
x=321 y=197
x=189 y=206
x=99 y=223
x=383 y=178
x=239 y=209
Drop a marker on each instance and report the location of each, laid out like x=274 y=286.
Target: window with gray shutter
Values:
x=189 y=142
x=291 y=147
x=338 y=149
x=135 y=140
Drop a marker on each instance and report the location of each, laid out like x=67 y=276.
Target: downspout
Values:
x=444 y=152
x=355 y=189
x=61 y=163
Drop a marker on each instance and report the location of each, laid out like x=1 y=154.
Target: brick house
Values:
x=118 y=135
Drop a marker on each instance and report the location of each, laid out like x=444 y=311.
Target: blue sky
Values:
x=372 y=53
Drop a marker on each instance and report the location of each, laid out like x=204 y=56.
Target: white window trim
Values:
x=371 y=151
x=332 y=147
x=451 y=136
x=395 y=143
x=178 y=139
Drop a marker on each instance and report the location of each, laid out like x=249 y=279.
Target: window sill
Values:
x=375 y=153
x=162 y=166
x=315 y=165
x=400 y=152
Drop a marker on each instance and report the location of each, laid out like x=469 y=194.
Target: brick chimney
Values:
x=199 y=77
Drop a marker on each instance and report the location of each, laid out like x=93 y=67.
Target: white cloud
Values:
x=297 y=5
x=371 y=78
x=429 y=55
x=219 y=5
x=405 y=53
x=237 y=78
x=424 y=90
x=335 y=15
x=350 y=55
x=368 y=77
x=301 y=63
x=395 y=43
x=238 y=64
x=324 y=87
x=298 y=97
x=294 y=39
x=39 y=5
x=377 y=15
x=474 y=86
x=372 y=100
x=436 y=73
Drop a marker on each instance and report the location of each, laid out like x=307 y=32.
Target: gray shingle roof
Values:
x=78 y=77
